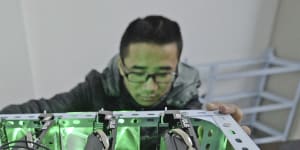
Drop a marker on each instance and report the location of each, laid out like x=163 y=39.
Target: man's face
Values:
x=154 y=63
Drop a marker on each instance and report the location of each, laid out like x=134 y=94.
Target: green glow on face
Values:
x=149 y=58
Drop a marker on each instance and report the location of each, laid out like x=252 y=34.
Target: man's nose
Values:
x=150 y=84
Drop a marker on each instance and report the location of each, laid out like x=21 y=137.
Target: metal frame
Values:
x=267 y=70
x=239 y=140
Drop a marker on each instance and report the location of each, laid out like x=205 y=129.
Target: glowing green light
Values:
x=121 y=121
x=76 y=121
x=10 y=123
x=21 y=123
x=69 y=130
x=128 y=138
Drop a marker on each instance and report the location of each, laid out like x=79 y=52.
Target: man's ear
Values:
x=120 y=66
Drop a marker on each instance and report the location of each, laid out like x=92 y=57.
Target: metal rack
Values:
x=267 y=66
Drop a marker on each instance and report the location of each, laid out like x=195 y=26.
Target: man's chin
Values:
x=147 y=103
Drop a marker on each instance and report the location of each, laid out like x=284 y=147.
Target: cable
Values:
x=6 y=145
x=186 y=138
x=14 y=146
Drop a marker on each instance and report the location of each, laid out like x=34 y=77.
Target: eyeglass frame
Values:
x=152 y=75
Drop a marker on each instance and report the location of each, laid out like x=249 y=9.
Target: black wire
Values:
x=6 y=145
x=15 y=146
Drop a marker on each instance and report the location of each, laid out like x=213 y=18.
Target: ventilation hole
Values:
x=134 y=121
x=50 y=143
x=200 y=131
x=121 y=121
x=245 y=148
x=151 y=114
x=210 y=133
x=134 y=114
x=238 y=140
x=207 y=147
x=150 y=120
x=233 y=132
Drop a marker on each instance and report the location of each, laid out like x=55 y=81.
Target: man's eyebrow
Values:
x=167 y=68
x=138 y=67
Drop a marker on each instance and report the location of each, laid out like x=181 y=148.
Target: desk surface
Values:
x=288 y=145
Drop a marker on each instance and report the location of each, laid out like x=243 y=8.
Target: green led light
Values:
x=69 y=130
x=21 y=123
x=76 y=121
x=121 y=121
x=10 y=123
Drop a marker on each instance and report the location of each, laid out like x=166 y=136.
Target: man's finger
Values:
x=232 y=109
x=246 y=129
x=213 y=106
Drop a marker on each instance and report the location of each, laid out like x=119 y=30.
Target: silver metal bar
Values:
x=234 y=96
x=283 y=62
x=275 y=98
x=268 y=139
x=292 y=112
x=234 y=133
x=262 y=82
x=266 y=129
x=236 y=63
x=259 y=72
x=270 y=107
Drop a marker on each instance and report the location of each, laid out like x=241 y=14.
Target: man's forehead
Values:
x=149 y=56
x=141 y=48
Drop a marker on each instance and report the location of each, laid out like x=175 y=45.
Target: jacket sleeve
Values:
x=77 y=99
x=194 y=103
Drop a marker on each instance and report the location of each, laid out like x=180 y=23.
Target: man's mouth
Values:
x=148 y=97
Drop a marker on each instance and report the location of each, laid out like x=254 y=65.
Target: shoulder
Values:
x=185 y=87
x=187 y=74
x=93 y=75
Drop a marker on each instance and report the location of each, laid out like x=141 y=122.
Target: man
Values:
x=146 y=75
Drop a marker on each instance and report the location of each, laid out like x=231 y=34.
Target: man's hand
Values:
x=232 y=109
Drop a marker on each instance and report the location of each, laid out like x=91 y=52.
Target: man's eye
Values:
x=138 y=73
x=162 y=74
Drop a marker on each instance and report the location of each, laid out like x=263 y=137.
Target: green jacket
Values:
x=106 y=90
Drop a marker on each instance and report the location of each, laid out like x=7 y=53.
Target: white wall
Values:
x=66 y=38
x=15 y=74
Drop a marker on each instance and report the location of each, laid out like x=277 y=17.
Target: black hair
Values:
x=151 y=29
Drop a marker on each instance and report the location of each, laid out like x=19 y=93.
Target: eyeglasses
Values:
x=137 y=77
